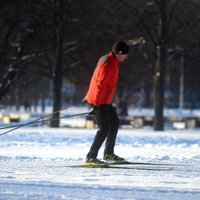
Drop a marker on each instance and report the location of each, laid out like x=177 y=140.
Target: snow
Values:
x=34 y=160
x=33 y=165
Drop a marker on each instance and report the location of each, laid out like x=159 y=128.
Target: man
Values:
x=99 y=96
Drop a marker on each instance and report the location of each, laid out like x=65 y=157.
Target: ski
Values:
x=148 y=168
x=122 y=166
x=91 y=165
x=139 y=163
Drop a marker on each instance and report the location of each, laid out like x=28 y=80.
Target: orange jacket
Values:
x=104 y=80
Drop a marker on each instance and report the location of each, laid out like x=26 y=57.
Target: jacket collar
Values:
x=112 y=55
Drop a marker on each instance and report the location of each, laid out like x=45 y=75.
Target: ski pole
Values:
x=32 y=122
x=40 y=121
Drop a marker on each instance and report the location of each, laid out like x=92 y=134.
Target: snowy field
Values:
x=33 y=165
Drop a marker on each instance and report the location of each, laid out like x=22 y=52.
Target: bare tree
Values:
x=161 y=26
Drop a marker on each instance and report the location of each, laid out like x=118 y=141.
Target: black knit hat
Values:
x=120 y=48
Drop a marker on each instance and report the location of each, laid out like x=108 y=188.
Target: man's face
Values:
x=121 y=57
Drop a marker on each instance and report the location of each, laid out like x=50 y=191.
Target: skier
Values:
x=100 y=93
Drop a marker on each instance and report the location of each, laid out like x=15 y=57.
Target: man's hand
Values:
x=84 y=100
x=92 y=111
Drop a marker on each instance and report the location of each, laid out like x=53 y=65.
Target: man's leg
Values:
x=112 y=134
x=102 y=118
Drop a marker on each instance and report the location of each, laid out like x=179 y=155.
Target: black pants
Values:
x=108 y=124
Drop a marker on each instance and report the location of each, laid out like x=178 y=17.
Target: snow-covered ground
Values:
x=33 y=165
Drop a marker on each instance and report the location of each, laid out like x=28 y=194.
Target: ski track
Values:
x=33 y=166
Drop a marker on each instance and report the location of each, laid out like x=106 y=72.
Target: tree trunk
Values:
x=58 y=77
x=158 y=91
x=160 y=67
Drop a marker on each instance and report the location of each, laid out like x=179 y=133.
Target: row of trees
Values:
x=50 y=42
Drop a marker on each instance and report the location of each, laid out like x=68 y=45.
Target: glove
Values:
x=84 y=100
x=93 y=109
